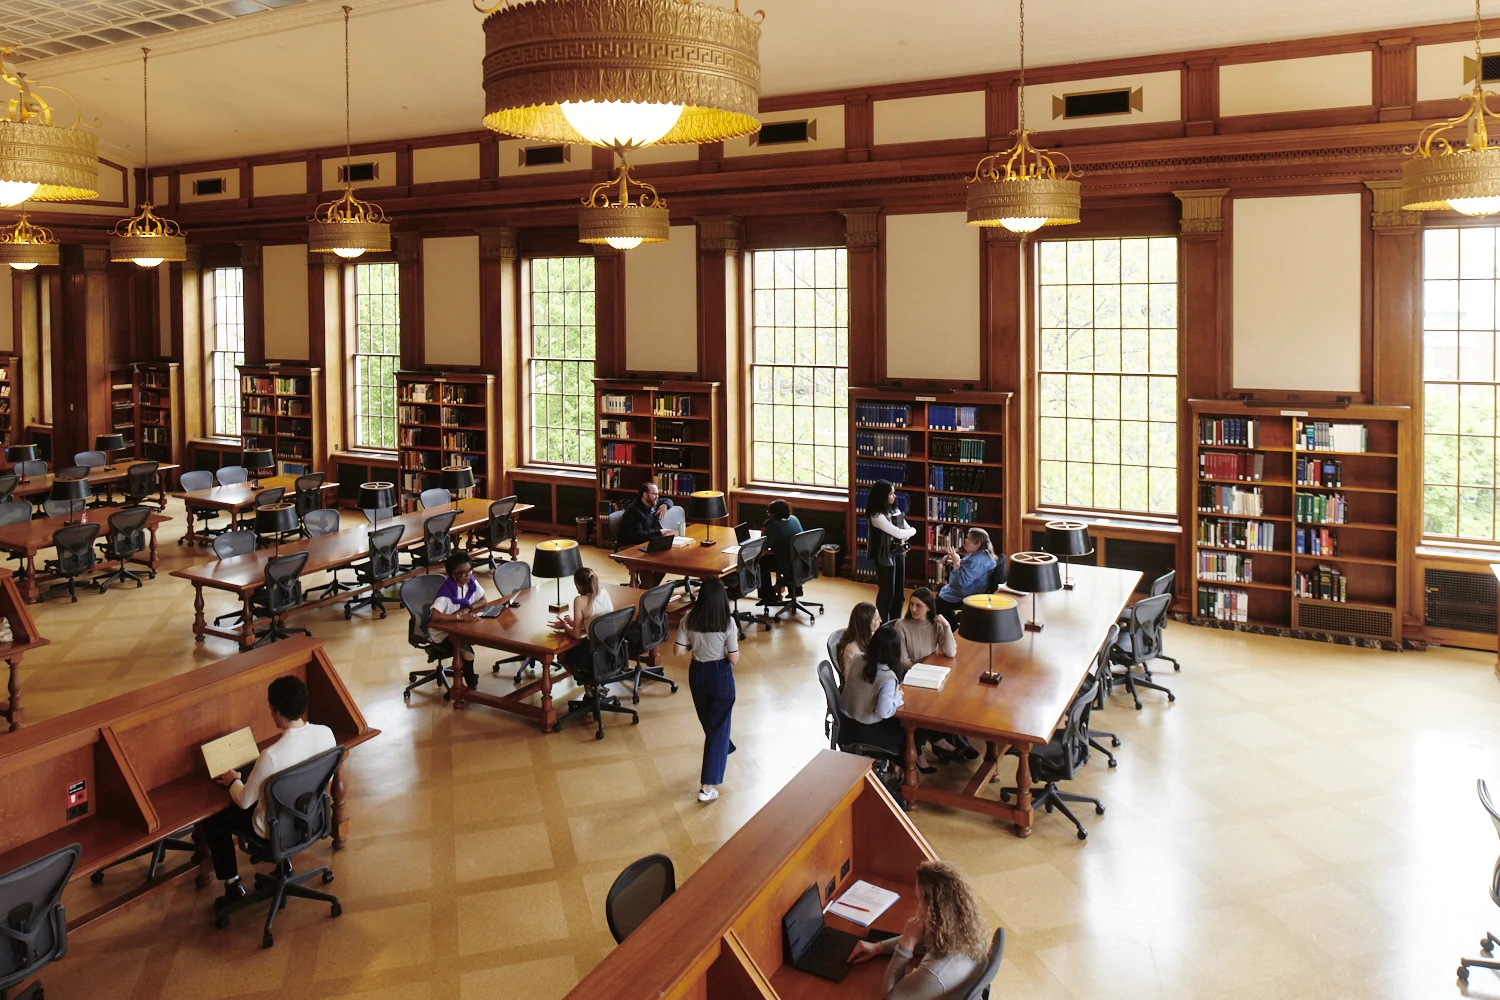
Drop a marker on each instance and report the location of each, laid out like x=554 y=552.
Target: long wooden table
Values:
x=142 y=774
x=24 y=637
x=696 y=561
x=241 y=575
x=236 y=498
x=526 y=630
x=35 y=485
x=719 y=935
x=29 y=538
x=1041 y=672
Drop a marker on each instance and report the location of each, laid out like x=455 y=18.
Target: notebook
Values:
x=925 y=675
x=862 y=903
x=230 y=753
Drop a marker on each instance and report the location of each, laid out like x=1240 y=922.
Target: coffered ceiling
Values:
x=265 y=75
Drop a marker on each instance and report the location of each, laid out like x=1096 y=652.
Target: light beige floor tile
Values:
x=508 y=850
x=510 y=918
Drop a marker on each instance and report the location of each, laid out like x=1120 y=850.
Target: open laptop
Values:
x=742 y=532
x=811 y=945
x=660 y=543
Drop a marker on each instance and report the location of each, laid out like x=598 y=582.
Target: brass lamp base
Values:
x=1033 y=626
x=989 y=677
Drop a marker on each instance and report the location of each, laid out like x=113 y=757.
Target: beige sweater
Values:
x=919 y=640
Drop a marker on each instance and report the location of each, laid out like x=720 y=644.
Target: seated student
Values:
x=247 y=815
x=872 y=695
x=850 y=651
x=459 y=599
x=591 y=602
x=968 y=575
x=925 y=634
x=642 y=520
x=780 y=528
x=949 y=929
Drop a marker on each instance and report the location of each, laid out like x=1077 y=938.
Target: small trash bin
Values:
x=585 y=529
x=828 y=557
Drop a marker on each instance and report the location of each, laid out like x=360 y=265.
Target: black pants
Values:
x=768 y=585
x=949 y=610
x=219 y=830
x=886 y=734
x=891 y=592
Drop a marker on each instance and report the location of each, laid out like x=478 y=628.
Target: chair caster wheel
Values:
x=635 y=720
x=1114 y=763
x=348 y=615
x=220 y=922
x=1137 y=706
x=447 y=695
x=599 y=735
x=266 y=940
x=382 y=616
x=98 y=877
x=496 y=670
x=1171 y=697
x=1463 y=974
x=335 y=910
x=557 y=727
x=1005 y=796
x=327 y=877
x=674 y=688
x=1083 y=835
x=1049 y=809
x=1115 y=742
x=635 y=699
x=1485 y=946
x=1098 y=810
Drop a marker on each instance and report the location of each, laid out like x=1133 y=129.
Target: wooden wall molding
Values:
x=1202 y=210
x=719 y=234
x=866 y=302
x=1395 y=78
x=862 y=226
x=1388 y=213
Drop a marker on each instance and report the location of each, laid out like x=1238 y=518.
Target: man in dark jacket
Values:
x=641 y=520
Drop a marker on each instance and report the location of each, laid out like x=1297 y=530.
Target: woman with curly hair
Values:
x=948 y=925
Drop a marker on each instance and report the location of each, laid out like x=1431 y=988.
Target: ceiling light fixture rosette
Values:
x=41 y=161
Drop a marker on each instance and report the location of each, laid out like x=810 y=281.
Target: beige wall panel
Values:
x=284 y=276
x=661 y=304
x=512 y=159
x=450 y=299
x=923 y=119
x=385 y=171
x=931 y=296
x=1297 y=300
x=231 y=176
x=280 y=178
x=161 y=189
x=829 y=128
x=8 y=317
x=1161 y=101
x=1259 y=88
x=1440 y=68
x=112 y=184
x=445 y=163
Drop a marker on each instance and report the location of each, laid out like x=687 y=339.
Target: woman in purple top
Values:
x=458 y=599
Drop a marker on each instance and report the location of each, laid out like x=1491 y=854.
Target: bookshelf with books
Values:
x=445 y=419
x=122 y=409
x=1296 y=524
x=945 y=455
x=156 y=388
x=665 y=431
x=279 y=407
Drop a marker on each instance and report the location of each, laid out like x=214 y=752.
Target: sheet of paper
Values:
x=862 y=903
x=731 y=550
x=682 y=541
x=925 y=675
x=229 y=752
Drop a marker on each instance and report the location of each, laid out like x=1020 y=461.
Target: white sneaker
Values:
x=708 y=795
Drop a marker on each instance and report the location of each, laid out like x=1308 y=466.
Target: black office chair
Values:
x=75 y=557
x=636 y=893
x=434 y=497
x=613 y=522
x=805 y=546
x=608 y=663
x=649 y=630
x=500 y=527
x=1060 y=759
x=35 y=925
x=232 y=475
x=191 y=482
x=64 y=508
x=299 y=813
x=833 y=723
x=73 y=472
x=510 y=579
x=126 y=537
x=997 y=575
x=8 y=484
x=437 y=541
x=1488 y=942
x=1105 y=679
x=383 y=562
x=268 y=498
x=141 y=486
x=833 y=653
x=16 y=512
x=1164 y=584
x=417 y=595
x=226 y=545
x=307 y=493
x=281 y=592
x=1139 y=644
x=181 y=840
x=981 y=988
x=745 y=583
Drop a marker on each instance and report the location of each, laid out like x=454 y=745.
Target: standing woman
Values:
x=710 y=633
x=889 y=534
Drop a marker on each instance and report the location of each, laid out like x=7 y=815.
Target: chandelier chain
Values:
x=1478 y=59
x=348 y=145
x=1023 y=64
x=146 y=116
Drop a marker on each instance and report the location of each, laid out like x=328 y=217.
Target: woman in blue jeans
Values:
x=710 y=633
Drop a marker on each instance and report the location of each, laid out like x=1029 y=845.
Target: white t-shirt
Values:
x=602 y=606
x=298 y=742
x=445 y=603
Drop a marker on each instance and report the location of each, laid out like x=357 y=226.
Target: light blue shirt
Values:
x=971 y=577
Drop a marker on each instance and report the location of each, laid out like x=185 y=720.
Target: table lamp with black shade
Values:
x=275 y=520
x=456 y=478
x=109 y=443
x=990 y=618
x=553 y=560
x=1033 y=573
x=18 y=453
x=377 y=497
x=256 y=462
x=706 y=506
x=72 y=490
x=1065 y=539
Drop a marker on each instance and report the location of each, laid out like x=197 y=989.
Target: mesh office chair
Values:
x=191 y=482
x=382 y=563
x=64 y=508
x=805 y=546
x=745 y=583
x=75 y=557
x=34 y=930
x=1105 y=679
x=157 y=852
x=95 y=461
x=833 y=652
x=616 y=517
x=1488 y=942
x=1139 y=644
x=16 y=512
x=281 y=592
x=268 y=498
x=435 y=497
x=649 y=630
x=226 y=545
x=8 y=484
x=510 y=579
x=608 y=663
x=500 y=527
x=437 y=541
x=307 y=496
x=126 y=537
x=1060 y=759
x=232 y=475
x=323 y=521
x=981 y=988
x=73 y=472
x=1164 y=584
x=35 y=467
x=299 y=813
x=141 y=486
x=833 y=719
x=417 y=595
x=637 y=892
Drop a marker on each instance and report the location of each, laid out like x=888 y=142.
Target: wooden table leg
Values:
x=198 y=620
x=30 y=590
x=155 y=562
x=13 y=709
x=247 y=624
x=458 y=690
x=1023 y=791
x=205 y=876
x=910 y=781
x=340 y=807
x=549 y=713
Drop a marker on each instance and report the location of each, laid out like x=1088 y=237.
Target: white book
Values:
x=925 y=675
x=862 y=903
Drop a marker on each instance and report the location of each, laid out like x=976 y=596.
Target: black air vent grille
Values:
x=1491 y=66
x=538 y=494
x=574 y=502
x=355 y=173
x=831 y=521
x=544 y=156
x=1151 y=558
x=1353 y=621
x=1461 y=601
x=782 y=133
x=205 y=186
x=1098 y=104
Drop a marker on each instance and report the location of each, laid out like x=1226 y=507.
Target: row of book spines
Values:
x=423 y=393
x=1257 y=536
x=671 y=458
x=872 y=414
x=1226 y=567
x=1317 y=542
x=946 y=537
x=962 y=509
x=1322 y=435
x=1322 y=584
x=676 y=482
x=901 y=500
x=869 y=472
x=1246 y=466
x=945 y=449
x=1321 y=508
x=1231 y=500
x=290 y=386
x=881 y=444
x=673 y=406
x=1223 y=605
x=1236 y=432
x=610 y=403
x=955 y=479
x=952 y=418
x=447 y=416
x=292 y=448
x=1320 y=472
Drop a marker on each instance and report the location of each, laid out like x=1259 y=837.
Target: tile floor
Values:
x=1300 y=824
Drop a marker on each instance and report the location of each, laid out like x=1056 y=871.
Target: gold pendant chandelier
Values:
x=24 y=246
x=1465 y=176
x=1020 y=188
x=623 y=222
x=347 y=226
x=40 y=161
x=146 y=239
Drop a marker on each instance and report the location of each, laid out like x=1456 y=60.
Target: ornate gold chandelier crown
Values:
x=347 y=226
x=1464 y=176
x=146 y=239
x=1020 y=188
x=41 y=161
x=624 y=222
x=24 y=246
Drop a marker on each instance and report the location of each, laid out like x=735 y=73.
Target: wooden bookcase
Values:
x=123 y=409
x=666 y=431
x=445 y=419
x=279 y=407
x=157 y=388
x=10 y=398
x=1258 y=469
x=944 y=452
